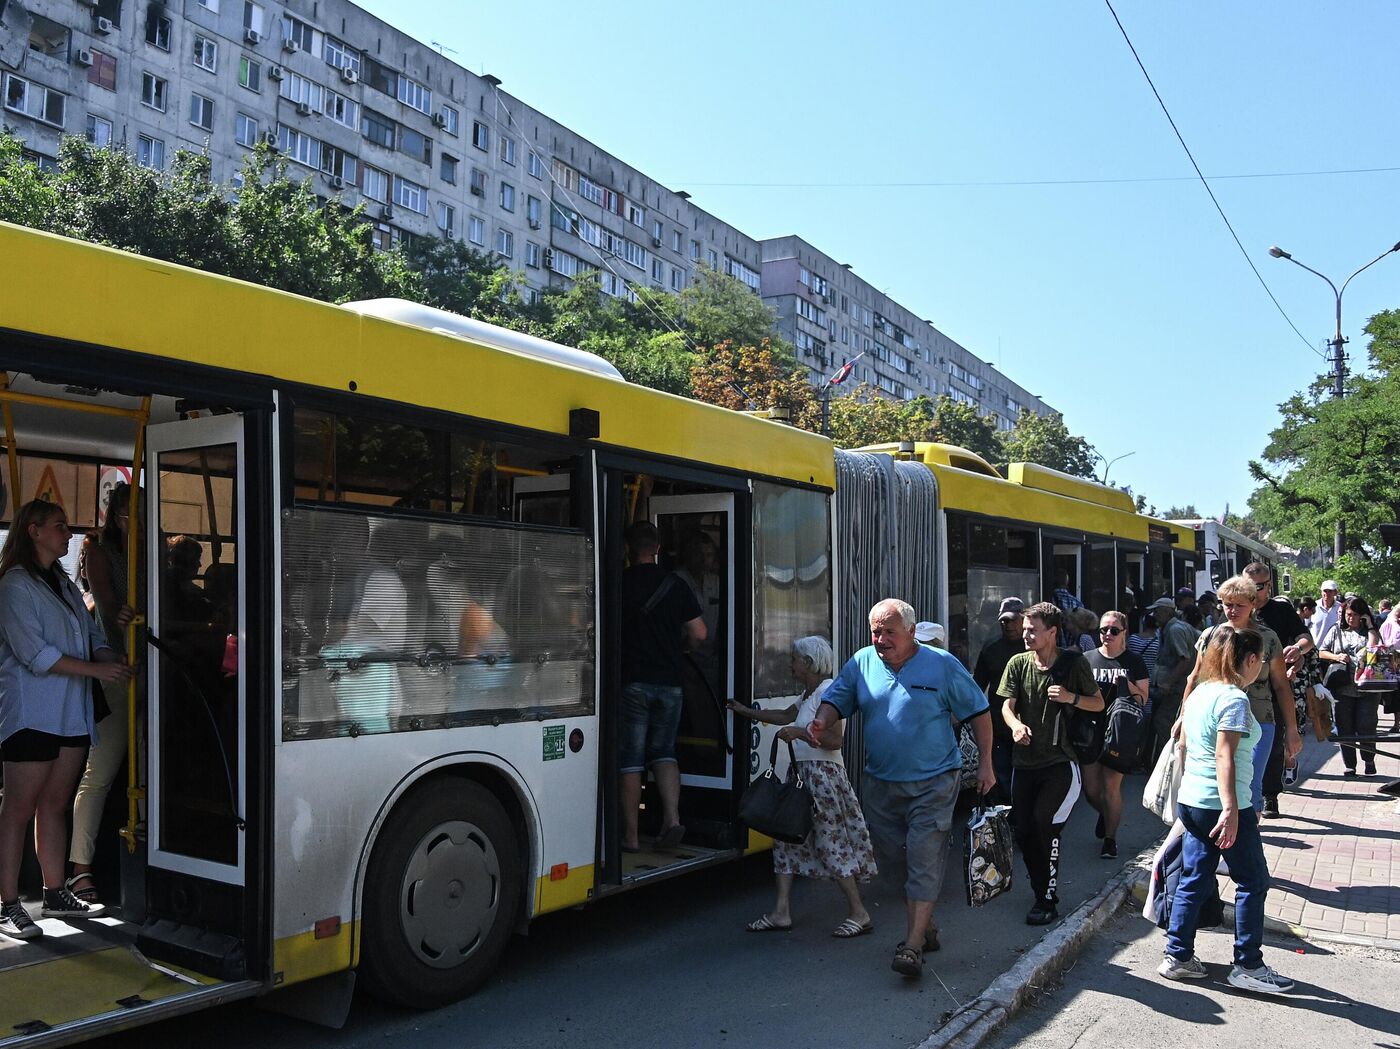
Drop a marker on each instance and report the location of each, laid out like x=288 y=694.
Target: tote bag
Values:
x=781 y=810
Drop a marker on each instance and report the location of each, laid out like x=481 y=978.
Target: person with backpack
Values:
x=1041 y=689
x=1122 y=678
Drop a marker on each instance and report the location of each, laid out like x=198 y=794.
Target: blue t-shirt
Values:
x=907 y=717
x=1210 y=708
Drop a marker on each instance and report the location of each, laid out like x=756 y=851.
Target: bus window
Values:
x=792 y=584
x=1099 y=583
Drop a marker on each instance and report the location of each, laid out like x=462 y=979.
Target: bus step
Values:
x=215 y=954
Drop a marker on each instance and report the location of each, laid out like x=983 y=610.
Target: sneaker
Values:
x=61 y=903
x=1042 y=914
x=1109 y=850
x=1370 y=768
x=1185 y=969
x=16 y=923
x=1271 y=809
x=1349 y=773
x=1262 y=979
x=1099 y=828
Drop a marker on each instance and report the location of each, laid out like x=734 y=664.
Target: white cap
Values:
x=1329 y=584
x=927 y=633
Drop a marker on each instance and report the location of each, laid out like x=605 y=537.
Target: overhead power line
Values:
x=1002 y=183
x=1223 y=217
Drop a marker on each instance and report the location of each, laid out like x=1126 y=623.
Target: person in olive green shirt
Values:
x=1041 y=688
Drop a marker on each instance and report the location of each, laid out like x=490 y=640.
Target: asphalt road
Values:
x=671 y=965
x=1344 y=997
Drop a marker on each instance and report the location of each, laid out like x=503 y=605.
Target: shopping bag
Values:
x=781 y=810
x=1159 y=796
x=987 y=854
x=1375 y=668
x=1122 y=737
x=971 y=756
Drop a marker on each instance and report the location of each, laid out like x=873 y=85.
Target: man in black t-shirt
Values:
x=1278 y=615
x=660 y=616
x=991 y=664
x=1120 y=675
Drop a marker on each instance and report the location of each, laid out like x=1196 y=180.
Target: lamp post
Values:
x=1108 y=463
x=1338 y=359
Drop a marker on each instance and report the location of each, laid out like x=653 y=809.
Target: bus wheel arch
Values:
x=444 y=888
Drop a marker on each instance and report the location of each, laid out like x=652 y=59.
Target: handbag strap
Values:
x=792 y=758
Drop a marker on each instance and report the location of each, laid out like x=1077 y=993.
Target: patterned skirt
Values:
x=839 y=845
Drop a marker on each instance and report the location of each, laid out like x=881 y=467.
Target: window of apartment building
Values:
x=446 y=218
x=299 y=34
x=657 y=270
x=412 y=93
x=339 y=164
x=749 y=276
x=677 y=241
x=563 y=218
x=532 y=254
x=381 y=236
x=677 y=278
x=476 y=230
x=900 y=362
x=296 y=88
x=201 y=111
x=210 y=5
x=634 y=254
x=807 y=310
x=375 y=184
x=882 y=352
x=103 y=71
x=658 y=231
x=506 y=150
x=450 y=120
x=1013 y=407
x=254 y=17
x=380 y=77
x=344 y=111
x=845 y=335
x=48 y=37
x=341 y=55
x=245 y=130
x=447 y=168
x=635 y=214
x=695 y=250
x=505 y=243
x=534 y=165
x=415 y=144
x=564 y=264
x=157 y=28
x=565 y=176
x=534 y=212
x=411 y=195
x=590 y=190
x=249 y=73
x=153 y=91
x=99 y=130
x=507 y=196
x=206 y=53
x=150 y=152
x=478 y=182
x=712 y=258
x=299 y=146
x=589 y=231
x=612 y=201
x=377 y=128
x=481 y=136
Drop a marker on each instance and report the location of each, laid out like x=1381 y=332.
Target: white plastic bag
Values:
x=1159 y=796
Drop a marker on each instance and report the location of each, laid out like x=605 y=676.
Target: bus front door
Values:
x=198 y=662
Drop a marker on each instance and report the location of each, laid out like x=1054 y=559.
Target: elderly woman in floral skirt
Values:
x=839 y=846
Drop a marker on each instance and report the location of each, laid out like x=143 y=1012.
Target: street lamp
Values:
x=1338 y=358
x=1108 y=463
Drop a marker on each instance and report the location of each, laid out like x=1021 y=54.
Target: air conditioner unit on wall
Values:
x=386 y=211
x=290 y=45
x=336 y=182
x=83 y=57
x=349 y=75
x=303 y=109
x=656 y=242
x=274 y=72
x=252 y=36
x=102 y=25
x=270 y=137
x=439 y=120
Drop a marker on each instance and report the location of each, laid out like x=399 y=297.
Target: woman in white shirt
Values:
x=1343 y=648
x=839 y=846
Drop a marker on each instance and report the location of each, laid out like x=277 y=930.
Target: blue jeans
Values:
x=651 y=716
x=1200 y=858
x=1261 y=764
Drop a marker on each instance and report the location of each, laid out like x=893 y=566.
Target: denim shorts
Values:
x=651 y=716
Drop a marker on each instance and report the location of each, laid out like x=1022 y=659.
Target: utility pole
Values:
x=1338 y=360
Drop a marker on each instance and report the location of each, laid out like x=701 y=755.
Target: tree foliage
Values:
x=1045 y=439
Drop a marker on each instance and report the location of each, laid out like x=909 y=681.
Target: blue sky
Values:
x=1124 y=304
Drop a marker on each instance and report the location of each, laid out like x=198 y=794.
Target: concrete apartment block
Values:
x=831 y=315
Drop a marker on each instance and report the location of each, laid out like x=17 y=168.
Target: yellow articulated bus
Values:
x=376 y=728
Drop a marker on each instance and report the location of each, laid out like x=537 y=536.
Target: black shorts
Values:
x=29 y=744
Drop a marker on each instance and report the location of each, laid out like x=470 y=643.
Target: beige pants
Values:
x=104 y=761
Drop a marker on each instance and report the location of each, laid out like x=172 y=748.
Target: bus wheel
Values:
x=441 y=898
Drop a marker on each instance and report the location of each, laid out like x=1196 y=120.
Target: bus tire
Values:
x=441 y=897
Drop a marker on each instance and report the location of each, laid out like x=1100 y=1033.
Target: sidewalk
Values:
x=1335 y=854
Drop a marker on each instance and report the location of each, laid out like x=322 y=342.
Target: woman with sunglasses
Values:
x=1120 y=675
x=1343 y=649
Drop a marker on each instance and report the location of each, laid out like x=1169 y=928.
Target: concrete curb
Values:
x=974 y=1023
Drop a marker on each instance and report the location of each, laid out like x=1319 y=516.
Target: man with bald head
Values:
x=909 y=696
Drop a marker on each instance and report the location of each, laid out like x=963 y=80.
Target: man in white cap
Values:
x=931 y=634
x=1325 y=618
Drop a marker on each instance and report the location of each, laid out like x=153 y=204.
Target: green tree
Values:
x=717 y=308
x=1044 y=439
x=457 y=277
x=1182 y=513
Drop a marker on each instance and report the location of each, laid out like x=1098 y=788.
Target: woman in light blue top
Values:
x=51 y=650
x=1218 y=734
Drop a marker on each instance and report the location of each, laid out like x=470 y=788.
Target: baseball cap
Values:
x=1185 y=591
x=1011 y=607
x=1329 y=584
x=927 y=633
x=1163 y=602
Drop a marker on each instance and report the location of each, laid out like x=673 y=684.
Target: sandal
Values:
x=88 y=894
x=767 y=924
x=931 y=939
x=908 y=961
x=851 y=928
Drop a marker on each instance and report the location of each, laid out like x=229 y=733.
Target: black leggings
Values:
x=1357 y=716
x=1041 y=801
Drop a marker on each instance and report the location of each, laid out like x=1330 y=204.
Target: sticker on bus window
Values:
x=553 y=742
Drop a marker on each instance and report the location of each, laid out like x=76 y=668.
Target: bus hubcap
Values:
x=451 y=893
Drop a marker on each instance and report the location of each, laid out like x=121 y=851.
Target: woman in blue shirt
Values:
x=51 y=650
x=1218 y=734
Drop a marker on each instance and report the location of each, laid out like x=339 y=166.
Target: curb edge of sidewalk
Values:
x=978 y=1020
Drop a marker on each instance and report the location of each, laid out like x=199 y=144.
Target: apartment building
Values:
x=369 y=113
x=831 y=316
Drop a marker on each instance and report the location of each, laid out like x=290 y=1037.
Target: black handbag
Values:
x=781 y=810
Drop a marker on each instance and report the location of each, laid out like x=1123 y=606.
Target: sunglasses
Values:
x=1261 y=586
x=1111 y=631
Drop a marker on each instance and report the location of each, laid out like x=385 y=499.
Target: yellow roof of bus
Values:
x=67 y=289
